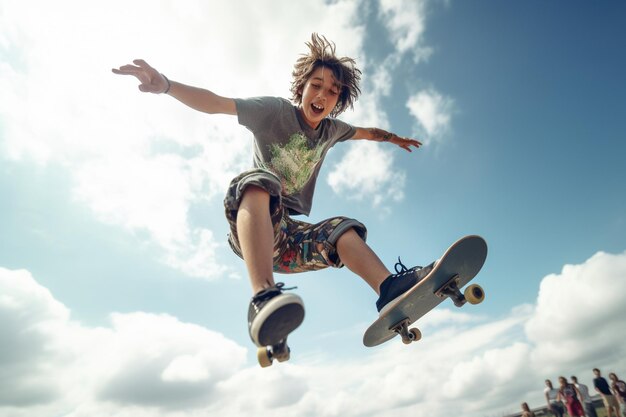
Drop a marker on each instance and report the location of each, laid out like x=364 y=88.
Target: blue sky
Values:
x=119 y=294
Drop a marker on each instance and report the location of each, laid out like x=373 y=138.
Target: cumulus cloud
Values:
x=367 y=171
x=29 y=318
x=48 y=359
x=580 y=311
x=432 y=111
x=156 y=360
x=155 y=365
x=406 y=22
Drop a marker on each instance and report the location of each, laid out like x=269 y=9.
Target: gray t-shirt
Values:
x=285 y=145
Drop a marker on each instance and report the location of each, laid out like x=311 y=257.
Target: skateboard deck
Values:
x=458 y=265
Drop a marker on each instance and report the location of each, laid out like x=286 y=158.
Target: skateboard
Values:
x=458 y=265
x=266 y=354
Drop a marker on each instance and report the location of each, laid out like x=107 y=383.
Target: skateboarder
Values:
x=291 y=140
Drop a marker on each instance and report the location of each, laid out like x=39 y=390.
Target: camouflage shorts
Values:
x=298 y=246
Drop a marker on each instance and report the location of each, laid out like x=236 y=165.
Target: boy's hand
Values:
x=151 y=80
x=404 y=143
x=384 y=136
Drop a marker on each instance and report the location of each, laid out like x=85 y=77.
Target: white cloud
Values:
x=186 y=368
x=367 y=171
x=376 y=83
x=48 y=359
x=29 y=318
x=406 y=22
x=580 y=311
x=432 y=111
x=158 y=361
x=157 y=366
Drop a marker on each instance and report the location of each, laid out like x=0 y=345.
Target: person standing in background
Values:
x=590 y=410
x=554 y=405
x=526 y=411
x=602 y=388
x=570 y=395
x=619 y=391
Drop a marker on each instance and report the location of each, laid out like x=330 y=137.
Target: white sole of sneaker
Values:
x=279 y=317
x=391 y=304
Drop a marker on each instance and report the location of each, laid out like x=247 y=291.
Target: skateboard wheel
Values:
x=264 y=357
x=412 y=335
x=474 y=294
x=415 y=334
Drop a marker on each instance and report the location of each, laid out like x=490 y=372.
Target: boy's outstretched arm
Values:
x=380 y=135
x=197 y=98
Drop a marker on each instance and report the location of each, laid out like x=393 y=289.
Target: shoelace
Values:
x=281 y=286
x=401 y=269
x=266 y=293
x=259 y=299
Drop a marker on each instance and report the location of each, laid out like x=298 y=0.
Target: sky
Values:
x=119 y=295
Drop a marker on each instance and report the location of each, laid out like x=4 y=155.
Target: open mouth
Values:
x=317 y=109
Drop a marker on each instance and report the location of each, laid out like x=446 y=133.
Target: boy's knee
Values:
x=254 y=195
x=346 y=231
x=348 y=235
x=257 y=200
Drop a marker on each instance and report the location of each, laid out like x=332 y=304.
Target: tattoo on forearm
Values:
x=381 y=135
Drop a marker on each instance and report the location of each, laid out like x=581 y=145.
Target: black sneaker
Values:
x=272 y=315
x=397 y=284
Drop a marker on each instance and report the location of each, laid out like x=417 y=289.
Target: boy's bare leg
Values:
x=361 y=259
x=256 y=237
x=272 y=314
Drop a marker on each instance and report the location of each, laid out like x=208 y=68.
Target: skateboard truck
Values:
x=473 y=294
x=451 y=289
x=408 y=335
x=266 y=354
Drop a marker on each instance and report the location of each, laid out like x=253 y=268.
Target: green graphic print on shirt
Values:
x=295 y=162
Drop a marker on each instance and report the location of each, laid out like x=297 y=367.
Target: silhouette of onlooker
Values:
x=526 y=411
x=570 y=395
x=554 y=405
x=602 y=387
x=590 y=410
x=619 y=390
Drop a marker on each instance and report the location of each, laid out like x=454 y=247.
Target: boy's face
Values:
x=319 y=96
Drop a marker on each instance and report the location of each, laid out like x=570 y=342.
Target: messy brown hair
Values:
x=322 y=54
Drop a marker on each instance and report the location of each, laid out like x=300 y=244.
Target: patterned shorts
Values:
x=298 y=246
